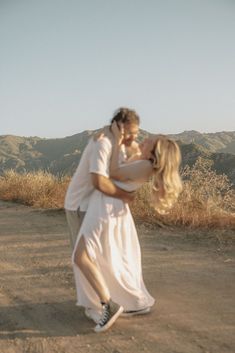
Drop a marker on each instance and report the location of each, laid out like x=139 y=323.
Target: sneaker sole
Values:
x=110 y=323
x=138 y=312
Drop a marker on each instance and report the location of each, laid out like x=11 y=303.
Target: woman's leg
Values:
x=90 y=271
x=110 y=310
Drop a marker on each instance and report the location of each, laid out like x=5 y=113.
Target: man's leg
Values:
x=74 y=220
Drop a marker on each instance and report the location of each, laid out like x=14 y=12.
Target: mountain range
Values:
x=60 y=156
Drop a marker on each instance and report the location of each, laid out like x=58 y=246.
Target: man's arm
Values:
x=106 y=186
x=99 y=165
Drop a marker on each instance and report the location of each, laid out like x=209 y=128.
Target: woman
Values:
x=108 y=233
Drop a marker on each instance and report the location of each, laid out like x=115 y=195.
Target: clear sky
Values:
x=66 y=65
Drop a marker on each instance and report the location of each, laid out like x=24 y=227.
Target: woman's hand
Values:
x=118 y=132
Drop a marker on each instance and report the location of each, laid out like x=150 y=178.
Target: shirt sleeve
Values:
x=100 y=157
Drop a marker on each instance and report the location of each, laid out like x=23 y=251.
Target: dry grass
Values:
x=39 y=189
x=207 y=199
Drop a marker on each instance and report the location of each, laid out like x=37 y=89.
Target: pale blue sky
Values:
x=66 y=65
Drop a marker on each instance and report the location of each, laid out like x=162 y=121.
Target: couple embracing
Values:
x=106 y=252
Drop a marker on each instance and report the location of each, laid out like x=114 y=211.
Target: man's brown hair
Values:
x=126 y=116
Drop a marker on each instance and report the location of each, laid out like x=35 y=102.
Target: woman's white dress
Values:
x=112 y=243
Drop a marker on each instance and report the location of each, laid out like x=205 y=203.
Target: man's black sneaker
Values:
x=128 y=313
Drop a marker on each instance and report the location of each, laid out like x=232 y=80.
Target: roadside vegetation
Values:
x=207 y=199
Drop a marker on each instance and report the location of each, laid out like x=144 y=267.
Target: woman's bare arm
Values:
x=114 y=161
x=135 y=171
x=138 y=171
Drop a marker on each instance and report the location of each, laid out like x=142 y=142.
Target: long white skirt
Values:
x=112 y=243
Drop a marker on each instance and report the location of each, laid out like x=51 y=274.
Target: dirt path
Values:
x=190 y=274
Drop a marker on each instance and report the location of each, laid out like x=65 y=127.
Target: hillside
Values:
x=61 y=156
x=213 y=142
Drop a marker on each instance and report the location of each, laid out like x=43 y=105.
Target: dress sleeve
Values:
x=100 y=157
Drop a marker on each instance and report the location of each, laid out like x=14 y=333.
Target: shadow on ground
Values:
x=43 y=320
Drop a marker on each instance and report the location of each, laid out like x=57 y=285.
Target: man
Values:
x=93 y=173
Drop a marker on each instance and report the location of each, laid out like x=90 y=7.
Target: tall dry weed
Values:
x=38 y=189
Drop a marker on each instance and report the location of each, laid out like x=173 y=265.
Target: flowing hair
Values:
x=166 y=181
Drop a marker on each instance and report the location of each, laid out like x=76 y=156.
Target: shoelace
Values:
x=105 y=315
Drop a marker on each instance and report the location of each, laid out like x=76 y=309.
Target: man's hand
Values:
x=129 y=196
x=106 y=186
x=105 y=131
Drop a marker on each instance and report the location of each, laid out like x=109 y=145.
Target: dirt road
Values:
x=191 y=275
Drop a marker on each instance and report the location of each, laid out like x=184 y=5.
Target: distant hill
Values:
x=33 y=153
x=61 y=156
x=214 y=142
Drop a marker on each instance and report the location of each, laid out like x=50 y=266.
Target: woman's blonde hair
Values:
x=166 y=180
